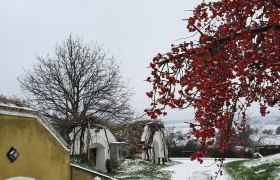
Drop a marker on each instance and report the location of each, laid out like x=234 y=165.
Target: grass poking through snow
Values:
x=137 y=169
x=267 y=168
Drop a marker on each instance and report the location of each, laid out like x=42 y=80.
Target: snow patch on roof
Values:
x=10 y=105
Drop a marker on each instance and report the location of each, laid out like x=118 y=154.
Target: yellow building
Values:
x=30 y=149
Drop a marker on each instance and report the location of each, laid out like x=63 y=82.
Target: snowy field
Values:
x=193 y=170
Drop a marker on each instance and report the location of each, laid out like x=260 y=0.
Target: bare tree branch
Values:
x=80 y=81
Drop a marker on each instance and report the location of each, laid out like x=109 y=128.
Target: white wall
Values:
x=162 y=149
x=98 y=140
x=159 y=149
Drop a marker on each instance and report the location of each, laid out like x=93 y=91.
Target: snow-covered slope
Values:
x=260 y=138
x=188 y=169
x=263 y=168
x=265 y=160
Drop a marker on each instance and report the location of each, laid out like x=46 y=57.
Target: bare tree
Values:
x=170 y=136
x=77 y=84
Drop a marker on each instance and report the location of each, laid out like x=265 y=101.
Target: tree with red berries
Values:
x=234 y=63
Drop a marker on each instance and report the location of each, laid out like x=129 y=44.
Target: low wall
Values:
x=80 y=173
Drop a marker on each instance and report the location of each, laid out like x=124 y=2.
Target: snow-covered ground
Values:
x=188 y=169
x=265 y=139
x=266 y=160
x=193 y=170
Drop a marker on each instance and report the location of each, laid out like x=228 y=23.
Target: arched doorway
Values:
x=97 y=156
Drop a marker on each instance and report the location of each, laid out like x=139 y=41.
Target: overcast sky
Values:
x=133 y=31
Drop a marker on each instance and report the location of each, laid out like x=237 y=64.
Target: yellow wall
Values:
x=40 y=154
x=80 y=174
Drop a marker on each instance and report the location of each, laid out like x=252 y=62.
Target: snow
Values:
x=131 y=167
x=15 y=113
x=258 y=136
x=188 y=169
x=265 y=160
x=14 y=106
x=11 y=109
x=264 y=139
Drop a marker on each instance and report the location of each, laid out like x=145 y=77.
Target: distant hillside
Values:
x=274 y=120
x=176 y=121
x=257 y=123
x=264 y=120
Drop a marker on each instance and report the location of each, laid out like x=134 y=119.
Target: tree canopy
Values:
x=79 y=82
x=233 y=63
